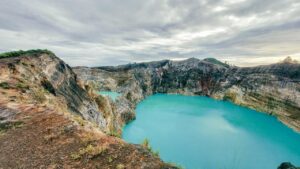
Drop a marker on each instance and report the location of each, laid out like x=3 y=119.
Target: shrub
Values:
x=75 y=156
x=120 y=166
x=34 y=52
x=89 y=151
x=110 y=159
x=4 y=126
x=230 y=96
x=5 y=85
x=215 y=61
x=175 y=165
x=39 y=95
x=79 y=120
x=146 y=145
x=22 y=86
x=156 y=153
x=114 y=133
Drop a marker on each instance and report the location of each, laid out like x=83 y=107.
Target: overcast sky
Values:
x=112 y=32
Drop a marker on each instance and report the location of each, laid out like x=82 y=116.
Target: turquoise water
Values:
x=112 y=95
x=202 y=133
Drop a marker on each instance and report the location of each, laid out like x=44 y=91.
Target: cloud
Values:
x=112 y=32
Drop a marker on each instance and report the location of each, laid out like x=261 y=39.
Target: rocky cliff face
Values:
x=273 y=88
x=55 y=119
x=41 y=75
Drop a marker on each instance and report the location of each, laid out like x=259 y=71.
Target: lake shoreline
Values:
x=141 y=114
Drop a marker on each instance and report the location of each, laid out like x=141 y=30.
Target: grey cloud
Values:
x=111 y=32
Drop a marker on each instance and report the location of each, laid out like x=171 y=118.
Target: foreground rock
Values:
x=287 y=165
x=47 y=120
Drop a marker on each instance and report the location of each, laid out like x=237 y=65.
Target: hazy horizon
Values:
x=182 y=59
x=114 y=32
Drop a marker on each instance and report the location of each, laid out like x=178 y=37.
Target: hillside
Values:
x=48 y=119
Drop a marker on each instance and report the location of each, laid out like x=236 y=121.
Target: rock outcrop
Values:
x=40 y=75
x=287 y=165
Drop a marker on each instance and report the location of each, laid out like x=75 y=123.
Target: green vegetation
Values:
x=89 y=151
x=10 y=125
x=175 y=165
x=75 y=156
x=120 y=166
x=22 y=86
x=215 y=61
x=39 y=95
x=33 y=52
x=110 y=159
x=230 y=96
x=79 y=120
x=114 y=133
x=5 y=85
x=146 y=145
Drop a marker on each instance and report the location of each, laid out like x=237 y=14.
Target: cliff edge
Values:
x=49 y=120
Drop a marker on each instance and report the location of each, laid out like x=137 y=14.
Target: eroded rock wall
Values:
x=273 y=89
x=45 y=76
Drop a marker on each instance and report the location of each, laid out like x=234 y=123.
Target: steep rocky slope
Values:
x=43 y=77
x=48 y=119
x=274 y=89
